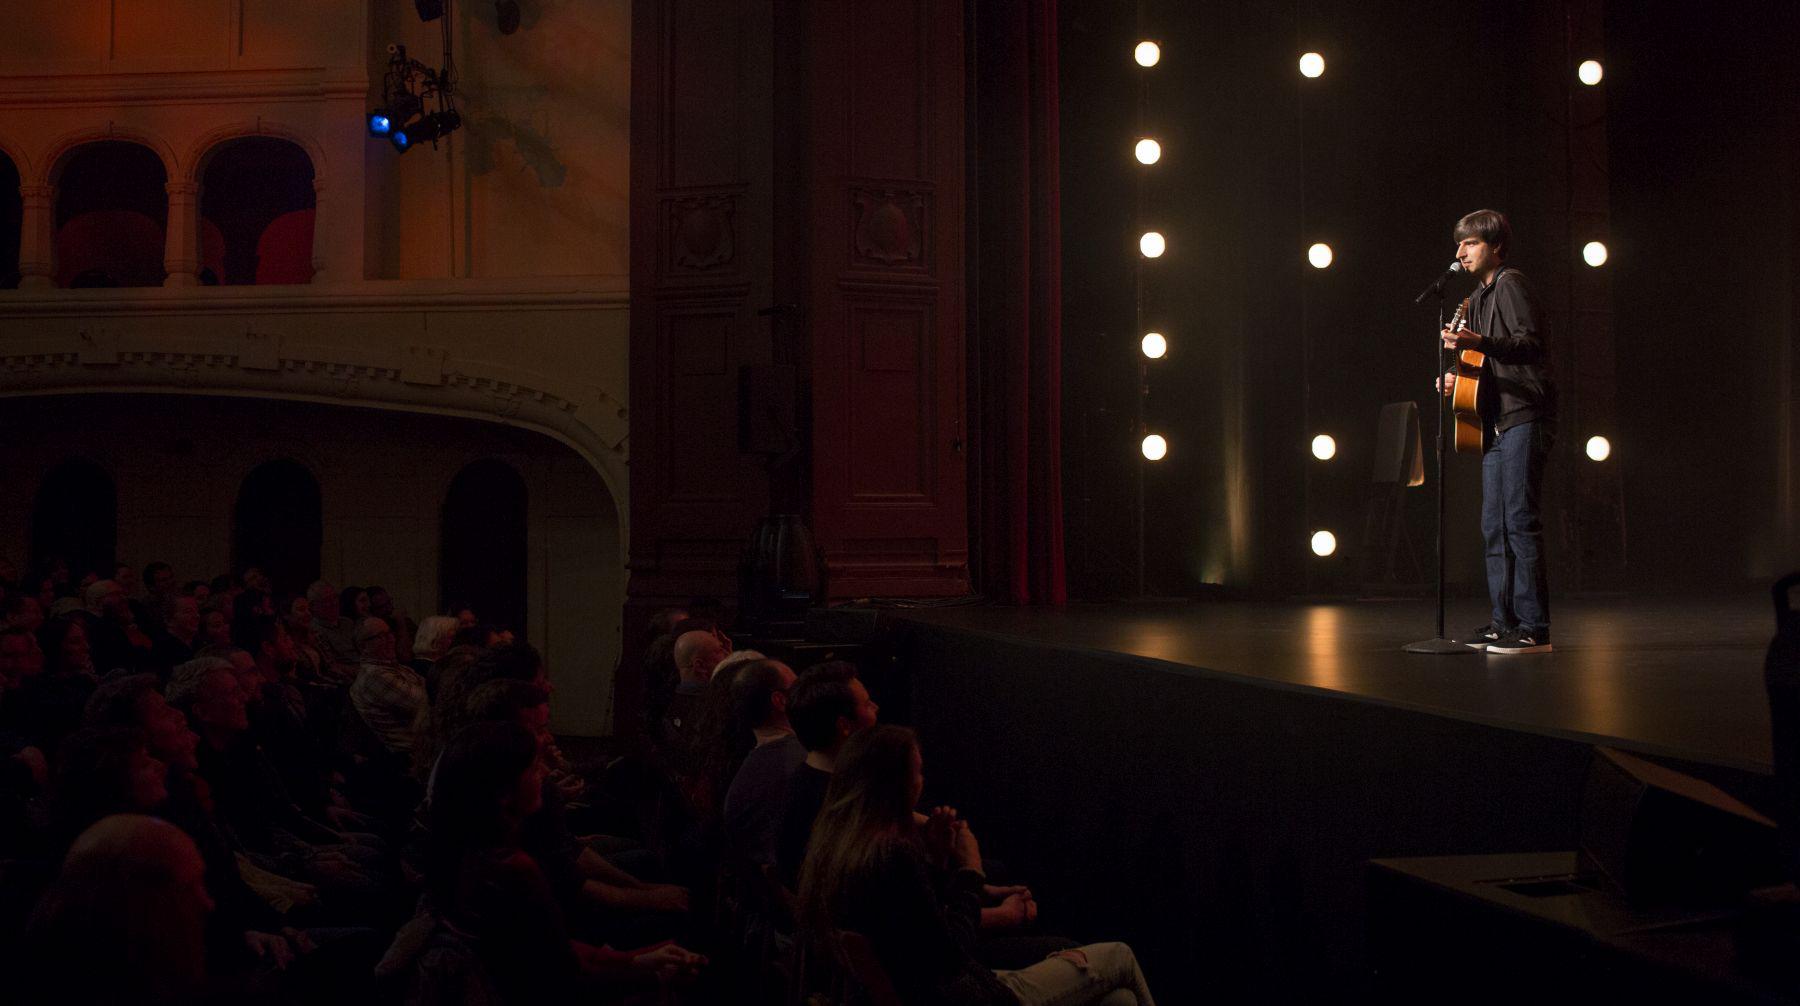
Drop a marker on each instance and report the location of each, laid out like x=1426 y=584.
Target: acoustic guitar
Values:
x=1472 y=435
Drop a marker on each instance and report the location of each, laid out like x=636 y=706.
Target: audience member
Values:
x=381 y=605
x=869 y=870
x=159 y=582
x=489 y=783
x=114 y=636
x=827 y=706
x=696 y=655
x=215 y=626
x=431 y=642
x=22 y=611
x=353 y=603
x=757 y=793
x=388 y=696
x=181 y=633
x=47 y=707
x=334 y=633
x=124 y=921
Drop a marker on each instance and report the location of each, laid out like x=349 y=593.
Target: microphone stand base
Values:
x=1439 y=647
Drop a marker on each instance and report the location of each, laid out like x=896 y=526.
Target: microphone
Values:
x=1437 y=286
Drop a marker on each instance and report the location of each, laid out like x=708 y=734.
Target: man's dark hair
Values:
x=222 y=583
x=188 y=588
x=15 y=603
x=154 y=568
x=819 y=697
x=1489 y=226
x=753 y=692
x=510 y=661
x=475 y=635
x=115 y=702
x=504 y=699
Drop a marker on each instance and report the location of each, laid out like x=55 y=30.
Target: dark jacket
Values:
x=1516 y=386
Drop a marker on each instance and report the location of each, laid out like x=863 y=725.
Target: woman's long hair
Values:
x=480 y=766
x=867 y=808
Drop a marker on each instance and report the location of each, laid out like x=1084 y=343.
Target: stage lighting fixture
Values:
x=1599 y=448
x=1148 y=151
x=1148 y=54
x=380 y=123
x=1312 y=65
x=1154 y=345
x=401 y=139
x=1594 y=254
x=1323 y=447
x=1590 y=72
x=1155 y=448
x=1319 y=255
x=1152 y=244
x=1324 y=543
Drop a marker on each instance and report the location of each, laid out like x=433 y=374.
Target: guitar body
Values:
x=1472 y=435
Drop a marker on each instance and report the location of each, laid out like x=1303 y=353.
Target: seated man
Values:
x=827 y=705
x=758 y=792
x=697 y=654
x=387 y=694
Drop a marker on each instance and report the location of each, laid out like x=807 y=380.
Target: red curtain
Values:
x=1016 y=345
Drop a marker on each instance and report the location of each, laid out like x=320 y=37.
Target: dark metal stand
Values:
x=1438 y=644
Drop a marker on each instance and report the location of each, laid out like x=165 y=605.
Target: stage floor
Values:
x=1677 y=677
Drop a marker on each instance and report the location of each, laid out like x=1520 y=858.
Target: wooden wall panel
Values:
x=701 y=186
x=882 y=178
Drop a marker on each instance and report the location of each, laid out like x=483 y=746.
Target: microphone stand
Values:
x=1438 y=645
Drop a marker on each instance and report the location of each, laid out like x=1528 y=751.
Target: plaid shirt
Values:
x=388 y=697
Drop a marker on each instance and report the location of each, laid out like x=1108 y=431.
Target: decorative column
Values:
x=181 y=252
x=37 y=237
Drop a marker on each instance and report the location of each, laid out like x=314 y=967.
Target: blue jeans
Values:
x=1512 y=484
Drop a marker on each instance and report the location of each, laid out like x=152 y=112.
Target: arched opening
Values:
x=256 y=210
x=278 y=525
x=112 y=206
x=482 y=550
x=12 y=217
x=74 y=520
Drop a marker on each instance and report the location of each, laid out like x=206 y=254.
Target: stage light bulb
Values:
x=1324 y=543
x=1319 y=255
x=1155 y=448
x=1599 y=448
x=380 y=124
x=1324 y=447
x=1152 y=244
x=1590 y=72
x=1154 y=345
x=1312 y=65
x=1594 y=254
x=1148 y=54
x=1148 y=151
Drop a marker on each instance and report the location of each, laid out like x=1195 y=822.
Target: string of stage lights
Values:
x=1153 y=345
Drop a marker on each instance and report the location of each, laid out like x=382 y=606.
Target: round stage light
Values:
x=1319 y=255
x=1594 y=254
x=1599 y=448
x=1148 y=151
x=1590 y=72
x=1155 y=448
x=1312 y=65
x=1324 y=447
x=1154 y=345
x=1152 y=244
x=1324 y=543
x=1148 y=54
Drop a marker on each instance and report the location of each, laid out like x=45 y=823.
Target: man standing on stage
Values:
x=1518 y=404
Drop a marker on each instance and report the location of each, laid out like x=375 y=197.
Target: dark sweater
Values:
x=922 y=934
x=758 y=795
x=805 y=795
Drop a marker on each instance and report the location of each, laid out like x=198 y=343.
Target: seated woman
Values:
x=483 y=883
x=869 y=870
